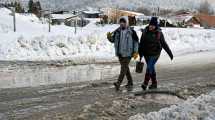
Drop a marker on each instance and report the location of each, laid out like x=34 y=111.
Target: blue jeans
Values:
x=151 y=61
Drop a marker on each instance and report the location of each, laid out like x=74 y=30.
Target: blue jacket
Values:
x=130 y=45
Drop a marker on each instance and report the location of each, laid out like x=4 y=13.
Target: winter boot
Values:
x=144 y=87
x=146 y=81
x=153 y=86
x=129 y=84
x=154 y=81
x=117 y=86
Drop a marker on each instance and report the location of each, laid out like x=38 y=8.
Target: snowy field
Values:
x=201 y=108
x=33 y=42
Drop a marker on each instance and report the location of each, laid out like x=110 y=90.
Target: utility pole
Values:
x=49 y=17
x=14 y=18
x=49 y=21
x=75 y=26
x=158 y=12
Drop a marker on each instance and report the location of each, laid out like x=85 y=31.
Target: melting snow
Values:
x=201 y=108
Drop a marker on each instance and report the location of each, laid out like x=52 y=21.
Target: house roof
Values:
x=206 y=19
x=121 y=12
x=62 y=16
x=133 y=13
x=91 y=12
x=181 y=17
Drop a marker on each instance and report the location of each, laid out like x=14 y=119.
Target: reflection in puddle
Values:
x=36 y=75
x=161 y=98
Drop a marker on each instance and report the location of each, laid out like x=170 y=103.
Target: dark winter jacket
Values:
x=152 y=43
x=130 y=43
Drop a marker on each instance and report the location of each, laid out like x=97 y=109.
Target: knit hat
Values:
x=154 y=21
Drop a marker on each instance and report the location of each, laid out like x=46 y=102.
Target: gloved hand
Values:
x=135 y=55
x=109 y=36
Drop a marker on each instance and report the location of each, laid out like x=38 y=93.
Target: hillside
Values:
x=129 y=4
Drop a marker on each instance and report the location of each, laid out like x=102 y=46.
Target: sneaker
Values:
x=117 y=86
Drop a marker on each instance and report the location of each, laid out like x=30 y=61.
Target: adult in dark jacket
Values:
x=150 y=47
x=126 y=43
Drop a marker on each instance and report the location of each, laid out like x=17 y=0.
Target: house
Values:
x=58 y=19
x=76 y=21
x=91 y=13
x=143 y=20
x=60 y=12
x=114 y=15
x=202 y=20
x=176 y=19
x=69 y=20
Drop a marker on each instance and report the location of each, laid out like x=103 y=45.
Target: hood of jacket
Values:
x=126 y=19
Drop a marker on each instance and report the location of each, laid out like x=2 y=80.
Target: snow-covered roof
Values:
x=143 y=17
x=90 y=10
x=183 y=18
x=134 y=13
x=62 y=16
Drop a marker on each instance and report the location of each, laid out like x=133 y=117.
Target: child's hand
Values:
x=109 y=35
x=135 y=55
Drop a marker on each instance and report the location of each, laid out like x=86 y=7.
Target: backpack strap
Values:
x=158 y=35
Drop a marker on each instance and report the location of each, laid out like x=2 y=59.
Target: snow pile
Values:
x=32 y=41
x=201 y=108
x=4 y=27
x=189 y=40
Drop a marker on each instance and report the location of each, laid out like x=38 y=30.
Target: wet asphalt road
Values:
x=98 y=100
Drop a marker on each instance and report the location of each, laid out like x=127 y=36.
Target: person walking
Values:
x=151 y=44
x=126 y=43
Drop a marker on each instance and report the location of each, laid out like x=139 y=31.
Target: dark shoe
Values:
x=129 y=85
x=129 y=88
x=144 y=87
x=117 y=86
x=153 y=86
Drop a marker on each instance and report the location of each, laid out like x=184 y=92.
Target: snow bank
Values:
x=32 y=41
x=201 y=108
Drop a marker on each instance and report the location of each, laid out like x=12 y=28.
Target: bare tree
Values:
x=205 y=8
x=144 y=10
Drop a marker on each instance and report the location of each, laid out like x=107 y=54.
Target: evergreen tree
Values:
x=18 y=7
x=39 y=8
x=38 y=5
x=30 y=6
x=35 y=8
x=206 y=8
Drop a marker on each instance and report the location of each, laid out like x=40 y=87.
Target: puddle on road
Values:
x=161 y=98
x=36 y=75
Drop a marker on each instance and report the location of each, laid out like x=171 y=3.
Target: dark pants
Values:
x=125 y=71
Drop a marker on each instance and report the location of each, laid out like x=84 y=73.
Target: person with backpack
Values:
x=126 y=43
x=151 y=44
